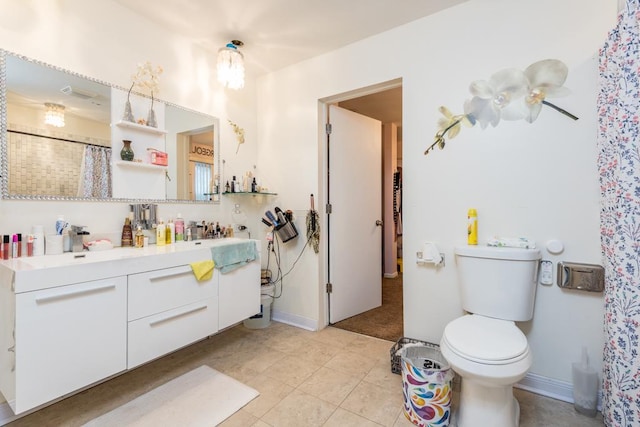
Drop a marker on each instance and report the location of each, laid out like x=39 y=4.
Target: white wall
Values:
x=538 y=180
x=105 y=41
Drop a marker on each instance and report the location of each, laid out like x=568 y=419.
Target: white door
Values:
x=355 y=232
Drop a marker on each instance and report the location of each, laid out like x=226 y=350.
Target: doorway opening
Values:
x=385 y=321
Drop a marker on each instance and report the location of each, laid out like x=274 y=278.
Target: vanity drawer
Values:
x=160 y=290
x=154 y=336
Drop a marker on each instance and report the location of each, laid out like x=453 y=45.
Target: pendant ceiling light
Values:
x=231 y=65
x=54 y=115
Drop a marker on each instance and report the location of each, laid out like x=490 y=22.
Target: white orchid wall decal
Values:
x=509 y=94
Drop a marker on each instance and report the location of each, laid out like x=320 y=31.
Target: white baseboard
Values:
x=294 y=320
x=391 y=275
x=6 y=414
x=555 y=389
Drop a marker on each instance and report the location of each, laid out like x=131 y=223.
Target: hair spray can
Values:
x=472 y=227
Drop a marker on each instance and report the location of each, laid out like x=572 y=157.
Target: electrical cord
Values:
x=275 y=248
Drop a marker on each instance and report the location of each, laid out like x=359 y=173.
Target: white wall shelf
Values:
x=140 y=165
x=142 y=128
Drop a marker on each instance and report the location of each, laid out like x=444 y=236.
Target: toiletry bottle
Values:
x=19 y=245
x=38 y=240
x=171 y=232
x=30 y=245
x=254 y=185
x=179 y=225
x=472 y=227
x=161 y=234
x=233 y=184
x=139 y=238
x=6 y=250
x=14 y=246
x=227 y=187
x=127 y=234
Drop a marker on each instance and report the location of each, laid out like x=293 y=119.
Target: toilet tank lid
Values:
x=516 y=254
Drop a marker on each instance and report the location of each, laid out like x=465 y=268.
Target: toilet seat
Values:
x=486 y=340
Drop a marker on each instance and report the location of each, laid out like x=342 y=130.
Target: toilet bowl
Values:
x=490 y=355
x=485 y=347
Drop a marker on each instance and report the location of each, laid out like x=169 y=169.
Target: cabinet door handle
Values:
x=75 y=293
x=183 y=270
x=176 y=315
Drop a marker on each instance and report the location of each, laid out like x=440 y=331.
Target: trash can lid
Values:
x=486 y=340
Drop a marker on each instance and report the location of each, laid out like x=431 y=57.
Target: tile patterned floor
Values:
x=327 y=378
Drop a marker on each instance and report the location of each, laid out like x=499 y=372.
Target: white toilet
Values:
x=485 y=347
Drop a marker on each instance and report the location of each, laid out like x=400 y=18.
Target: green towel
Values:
x=234 y=255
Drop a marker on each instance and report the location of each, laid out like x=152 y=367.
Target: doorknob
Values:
x=379 y=223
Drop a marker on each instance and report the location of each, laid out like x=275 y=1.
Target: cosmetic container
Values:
x=5 y=247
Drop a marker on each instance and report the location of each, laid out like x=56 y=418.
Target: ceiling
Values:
x=279 y=33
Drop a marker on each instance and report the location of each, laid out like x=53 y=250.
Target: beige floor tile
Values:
x=335 y=337
x=344 y=418
x=374 y=347
x=403 y=421
x=301 y=377
x=299 y=409
x=271 y=391
x=375 y=403
x=317 y=353
x=356 y=364
x=382 y=376
x=240 y=419
x=291 y=370
x=536 y=410
x=330 y=385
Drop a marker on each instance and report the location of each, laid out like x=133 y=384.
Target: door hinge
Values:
x=328 y=208
x=329 y=288
x=327 y=128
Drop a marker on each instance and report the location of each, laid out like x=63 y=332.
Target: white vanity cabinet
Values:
x=66 y=338
x=240 y=291
x=169 y=309
x=69 y=321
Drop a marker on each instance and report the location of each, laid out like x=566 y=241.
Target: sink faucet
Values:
x=76 y=233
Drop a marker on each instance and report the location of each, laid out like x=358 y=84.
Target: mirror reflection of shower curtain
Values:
x=95 y=172
x=201 y=181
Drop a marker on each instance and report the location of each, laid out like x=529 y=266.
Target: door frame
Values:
x=323 y=181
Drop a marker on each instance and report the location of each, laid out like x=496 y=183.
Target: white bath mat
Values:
x=202 y=397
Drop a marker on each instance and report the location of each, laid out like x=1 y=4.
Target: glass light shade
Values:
x=231 y=67
x=54 y=115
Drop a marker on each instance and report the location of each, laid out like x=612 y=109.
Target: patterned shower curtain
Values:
x=619 y=168
x=95 y=174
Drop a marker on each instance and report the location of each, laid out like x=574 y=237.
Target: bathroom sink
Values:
x=73 y=258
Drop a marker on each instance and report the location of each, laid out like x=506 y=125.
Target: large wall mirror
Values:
x=61 y=137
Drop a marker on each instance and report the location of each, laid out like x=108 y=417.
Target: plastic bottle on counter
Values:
x=171 y=232
x=472 y=227
x=179 y=225
x=38 y=240
x=139 y=238
x=161 y=234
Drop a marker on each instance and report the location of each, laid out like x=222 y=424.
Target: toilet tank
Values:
x=498 y=282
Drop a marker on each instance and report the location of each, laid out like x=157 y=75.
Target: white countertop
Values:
x=40 y=272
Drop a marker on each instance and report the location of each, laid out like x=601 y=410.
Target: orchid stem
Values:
x=555 y=107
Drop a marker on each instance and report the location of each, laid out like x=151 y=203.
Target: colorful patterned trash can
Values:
x=426 y=385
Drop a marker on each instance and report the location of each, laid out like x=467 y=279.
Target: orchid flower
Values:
x=509 y=94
